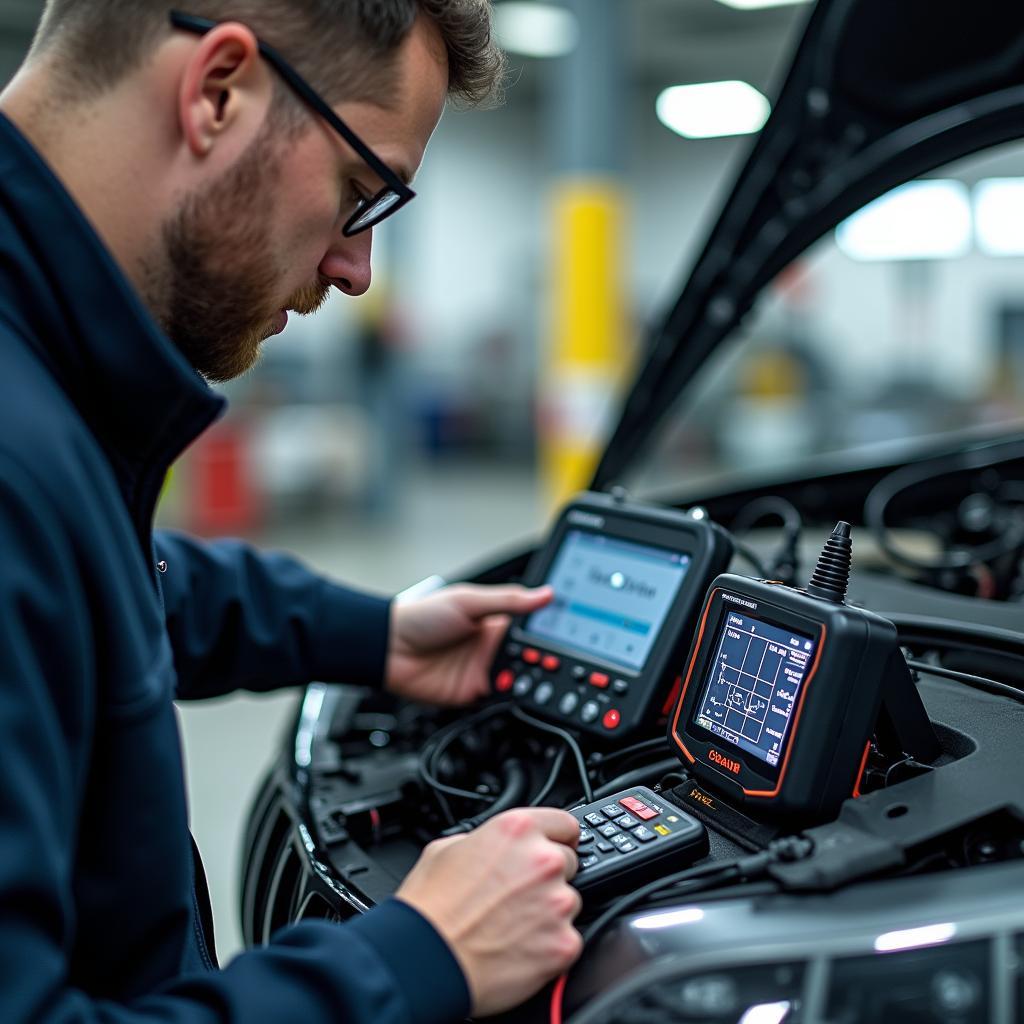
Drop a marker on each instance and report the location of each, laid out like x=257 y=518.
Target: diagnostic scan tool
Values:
x=785 y=688
x=628 y=580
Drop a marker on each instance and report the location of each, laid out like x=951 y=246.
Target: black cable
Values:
x=599 y=760
x=882 y=495
x=439 y=743
x=636 y=777
x=784 y=563
x=511 y=795
x=746 y=551
x=568 y=739
x=549 y=783
x=979 y=682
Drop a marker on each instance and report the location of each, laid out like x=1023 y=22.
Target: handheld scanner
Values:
x=628 y=580
x=781 y=693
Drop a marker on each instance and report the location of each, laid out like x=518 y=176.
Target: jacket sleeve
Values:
x=387 y=967
x=239 y=618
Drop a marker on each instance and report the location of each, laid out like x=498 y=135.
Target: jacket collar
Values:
x=62 y=290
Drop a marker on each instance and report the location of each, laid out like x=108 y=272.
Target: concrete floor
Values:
x=447 y=519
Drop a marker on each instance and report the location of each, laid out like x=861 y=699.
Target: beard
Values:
x=219 y=273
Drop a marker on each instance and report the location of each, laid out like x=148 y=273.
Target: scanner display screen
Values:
x=752 y=685
x=611 y=596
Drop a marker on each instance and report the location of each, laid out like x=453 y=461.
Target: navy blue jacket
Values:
x=99 y=920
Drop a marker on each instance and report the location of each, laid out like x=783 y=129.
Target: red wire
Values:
x=556 y=999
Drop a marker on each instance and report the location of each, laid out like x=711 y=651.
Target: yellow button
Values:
x=661 y=830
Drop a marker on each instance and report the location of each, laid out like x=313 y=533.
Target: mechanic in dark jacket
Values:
x=164 y=200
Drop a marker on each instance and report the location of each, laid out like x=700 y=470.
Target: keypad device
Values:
x=633 y=836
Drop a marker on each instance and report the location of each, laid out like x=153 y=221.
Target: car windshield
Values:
x=904 y=324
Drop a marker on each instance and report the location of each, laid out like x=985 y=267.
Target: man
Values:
x=169 y=190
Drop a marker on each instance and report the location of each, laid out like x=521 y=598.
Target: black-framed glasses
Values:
x=369 y=211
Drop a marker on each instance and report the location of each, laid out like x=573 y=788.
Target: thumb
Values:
x=478 y=602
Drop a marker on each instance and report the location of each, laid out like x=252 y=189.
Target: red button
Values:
x=531 y=656
x=599 y=679
x=611 y=719
x=550 y=663
x=504 y=680
x=640 y=809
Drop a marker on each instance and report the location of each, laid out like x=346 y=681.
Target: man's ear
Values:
x=225 y=85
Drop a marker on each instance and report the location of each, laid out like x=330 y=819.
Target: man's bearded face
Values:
x=222 y=281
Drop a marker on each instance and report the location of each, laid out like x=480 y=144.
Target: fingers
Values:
x=478 y=602
x=557 y=825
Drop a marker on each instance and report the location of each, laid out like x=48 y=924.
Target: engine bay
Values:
x=830 y=779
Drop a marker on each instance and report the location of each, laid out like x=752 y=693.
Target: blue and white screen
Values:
x=611 y=596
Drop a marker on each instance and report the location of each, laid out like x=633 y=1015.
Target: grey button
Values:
x=522 y=686
x=609 y=831
x=620 y=686
x=604 y=846
x=619 y=839
x=567 y=705
x=586 y=836
x=589 y=712
x=611 y=810
x=579 y=671
x=627 y=847
x=595 y=819
x=588 y=861
x=644 y=834
x=543 y=692
x=627 y=821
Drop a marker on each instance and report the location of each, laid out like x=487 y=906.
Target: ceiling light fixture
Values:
x=710 y=110
x=922 y=220
x=757 y=5
x=535 y=29
x=999 y=216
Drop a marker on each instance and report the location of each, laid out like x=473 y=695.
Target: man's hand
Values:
x=441 y=646
x=500 y=898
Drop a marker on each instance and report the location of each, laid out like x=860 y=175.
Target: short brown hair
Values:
x=346 y=47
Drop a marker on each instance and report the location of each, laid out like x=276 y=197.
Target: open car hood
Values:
x=878 y=93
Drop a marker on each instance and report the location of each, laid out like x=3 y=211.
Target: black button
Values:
x=593 y=818
x=644 y=834
x=611 y=810
x=620 y=839
x=604 y=846
x=609 y=831
x=588 y=861
x=628 y=847
x=627 y=821
x=579 y=671
x=586 y=836
x=513 y=650
x=620 y=686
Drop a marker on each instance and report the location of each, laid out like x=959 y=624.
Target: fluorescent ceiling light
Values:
x=915 y=938
x=756 y=5
x=708 y=110
x=922 y=220
x=999 y=216
x=535 y=29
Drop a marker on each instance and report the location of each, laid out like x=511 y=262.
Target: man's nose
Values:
x=347 y=263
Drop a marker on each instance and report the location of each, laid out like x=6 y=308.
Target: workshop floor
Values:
x=449 y=519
